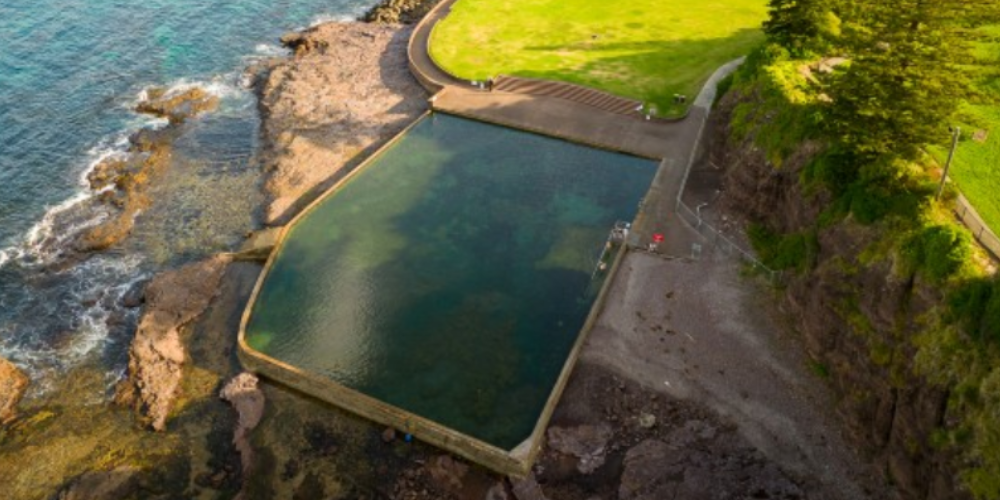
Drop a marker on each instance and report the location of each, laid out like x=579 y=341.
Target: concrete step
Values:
x=576 y=93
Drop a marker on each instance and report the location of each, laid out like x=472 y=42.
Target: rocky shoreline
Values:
x=346 y=91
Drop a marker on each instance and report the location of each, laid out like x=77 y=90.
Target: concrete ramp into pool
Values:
x=445 y=287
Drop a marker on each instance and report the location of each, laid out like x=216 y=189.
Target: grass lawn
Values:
x=976 y=169
x=644 y=49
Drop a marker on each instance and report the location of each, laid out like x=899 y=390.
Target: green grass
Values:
x=643 y=49
x=976 y=168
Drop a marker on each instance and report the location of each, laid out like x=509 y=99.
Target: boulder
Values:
x=248 y=401
x=650 y=469
x=588 y=443
x=13 y=384
x=527 y=488
x=135 y=296
x=447 y=473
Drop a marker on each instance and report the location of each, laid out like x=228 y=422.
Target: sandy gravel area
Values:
x=699 y=331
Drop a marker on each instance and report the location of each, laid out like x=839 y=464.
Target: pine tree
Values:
x=801 y=26
x=905 y=81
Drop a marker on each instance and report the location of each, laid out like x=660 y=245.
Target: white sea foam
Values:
x=335 y=18
x=95 y=294
x=270 y=50
x=356 y=13
x=41 y=241
x=224 y=86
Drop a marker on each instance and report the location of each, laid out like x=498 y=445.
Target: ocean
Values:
x=71 y=72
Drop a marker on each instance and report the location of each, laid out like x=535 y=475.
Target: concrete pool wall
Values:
x=516 y=461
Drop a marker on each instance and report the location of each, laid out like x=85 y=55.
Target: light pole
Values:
x=955 y=134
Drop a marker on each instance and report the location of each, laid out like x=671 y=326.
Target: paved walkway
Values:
x=673 y=144
x=566 y=119
x=427 y=72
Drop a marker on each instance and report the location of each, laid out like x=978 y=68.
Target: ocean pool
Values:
x=452 y=275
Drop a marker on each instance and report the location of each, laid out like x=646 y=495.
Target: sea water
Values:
x=70 y=73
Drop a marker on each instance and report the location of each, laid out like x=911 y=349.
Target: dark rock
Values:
x=588 y=443
x=650 y=468
x=135 y=296
x=527 y=488
x=388 y=435
x=292 y=469
x=497 y=492
x=103 y=485
x=447 y=472
x=399 y=11
x=177 y=107
x=302 y=43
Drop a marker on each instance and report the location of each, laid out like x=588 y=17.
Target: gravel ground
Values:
x=699 y=331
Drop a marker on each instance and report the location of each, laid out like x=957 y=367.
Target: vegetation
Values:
x=643 y=49
x=801 y=26
x=912 y=68
x=784 y=251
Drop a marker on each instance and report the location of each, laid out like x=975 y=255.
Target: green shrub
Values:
x=976 y=305
x=722 y=88
x=791 y=251
x=937 y=251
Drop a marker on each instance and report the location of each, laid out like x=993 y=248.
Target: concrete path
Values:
x=427 y=72
x=567 y=120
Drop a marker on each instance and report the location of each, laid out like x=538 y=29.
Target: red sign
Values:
x=657 y=238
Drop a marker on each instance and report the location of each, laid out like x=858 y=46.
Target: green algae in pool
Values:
x=452 y=276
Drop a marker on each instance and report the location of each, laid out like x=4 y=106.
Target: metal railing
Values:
x=968 y=215
x=722 y=243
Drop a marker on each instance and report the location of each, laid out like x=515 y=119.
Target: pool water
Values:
x=453 y=275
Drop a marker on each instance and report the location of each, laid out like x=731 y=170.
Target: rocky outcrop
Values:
x=158 y=354
x=399 y=11
x=856 y=317
x=346 y=91
x=13 y=383
x=177 y=106
x=124 y=181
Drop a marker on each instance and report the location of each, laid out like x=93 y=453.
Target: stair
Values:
x=570 y=92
